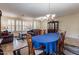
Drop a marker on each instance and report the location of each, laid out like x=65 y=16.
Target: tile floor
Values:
x=8 y=48
x=72 y=41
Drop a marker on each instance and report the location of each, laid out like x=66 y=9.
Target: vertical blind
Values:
x=12 y=25
x=15 y=25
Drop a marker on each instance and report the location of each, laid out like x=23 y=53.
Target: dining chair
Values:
x=60 y=44
x=31 y=49
x=41 y=32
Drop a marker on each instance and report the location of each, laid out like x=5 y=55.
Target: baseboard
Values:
x=72 y=36
x=71 y=45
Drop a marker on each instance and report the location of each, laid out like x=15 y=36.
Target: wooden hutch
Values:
x=53 y=26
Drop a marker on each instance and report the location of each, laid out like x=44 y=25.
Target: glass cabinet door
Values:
x=53 y=26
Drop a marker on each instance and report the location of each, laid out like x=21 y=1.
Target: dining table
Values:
x=18 y=45
x=49 y=40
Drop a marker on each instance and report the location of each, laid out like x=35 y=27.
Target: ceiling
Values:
x=40 y=9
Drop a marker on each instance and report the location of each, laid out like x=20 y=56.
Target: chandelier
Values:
x=50 y=16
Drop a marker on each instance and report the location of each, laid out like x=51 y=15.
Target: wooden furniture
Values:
x=18 y=45
x=34 y=32
x=42 y=32
x=7 y=37
x=48 y=40
x=60 y=45
x=53 y=26
x=31 y=49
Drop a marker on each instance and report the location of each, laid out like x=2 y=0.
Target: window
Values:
x=3 y=24
x=35 y=24
x=7 y=24
x=27 y=25
x=16 y=25
x=12 y=25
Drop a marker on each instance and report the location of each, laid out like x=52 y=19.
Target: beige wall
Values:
x=70 y=23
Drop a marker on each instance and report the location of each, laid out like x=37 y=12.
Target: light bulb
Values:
x=48 y=15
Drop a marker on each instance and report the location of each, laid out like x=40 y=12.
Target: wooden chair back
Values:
x=42 y=32
x=30 y=45
x=60 y=45
x=63 y=37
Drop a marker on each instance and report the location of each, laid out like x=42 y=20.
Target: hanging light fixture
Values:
x=50 y=16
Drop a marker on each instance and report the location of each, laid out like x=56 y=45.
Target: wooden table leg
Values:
x=14 y=52
x=18 y=52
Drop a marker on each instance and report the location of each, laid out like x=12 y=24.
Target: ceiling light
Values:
x=50 y=16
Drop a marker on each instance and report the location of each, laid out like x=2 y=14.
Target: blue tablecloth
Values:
x=48 y=40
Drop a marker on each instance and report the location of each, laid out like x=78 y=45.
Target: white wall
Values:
x=70 y=23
